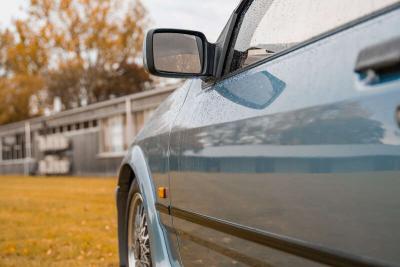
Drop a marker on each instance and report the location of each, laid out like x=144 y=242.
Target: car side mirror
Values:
x=177 y=53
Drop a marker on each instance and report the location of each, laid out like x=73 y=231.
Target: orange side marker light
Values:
x=162 y=192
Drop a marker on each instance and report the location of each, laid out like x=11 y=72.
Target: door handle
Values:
x=380 y=58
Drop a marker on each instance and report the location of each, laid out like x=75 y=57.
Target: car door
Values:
x=292 y=158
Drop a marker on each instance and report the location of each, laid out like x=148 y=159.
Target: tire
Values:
x=138 y=240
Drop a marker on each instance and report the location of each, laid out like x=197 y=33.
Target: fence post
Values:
x=129 y=122
x=27 y=147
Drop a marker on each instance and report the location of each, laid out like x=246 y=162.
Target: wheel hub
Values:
x=138 y=235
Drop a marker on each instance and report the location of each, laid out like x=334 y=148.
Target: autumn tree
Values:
x=81 y=51
x=23 y=58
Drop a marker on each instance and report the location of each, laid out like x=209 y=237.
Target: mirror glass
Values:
x=177 y=52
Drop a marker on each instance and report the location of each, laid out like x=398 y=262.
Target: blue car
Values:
x=282 y=148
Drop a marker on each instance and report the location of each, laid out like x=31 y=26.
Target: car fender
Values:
x=134 y=166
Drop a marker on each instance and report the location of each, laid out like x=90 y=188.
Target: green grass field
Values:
x=57 y=221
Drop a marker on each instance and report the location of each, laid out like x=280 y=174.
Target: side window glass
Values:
x=270 y=26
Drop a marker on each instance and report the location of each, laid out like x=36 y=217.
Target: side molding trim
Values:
x=162 y=208
x=286 y=244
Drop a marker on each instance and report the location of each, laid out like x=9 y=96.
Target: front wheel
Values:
x=139 y=254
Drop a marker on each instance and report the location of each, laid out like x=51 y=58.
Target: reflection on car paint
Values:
x=256 y=90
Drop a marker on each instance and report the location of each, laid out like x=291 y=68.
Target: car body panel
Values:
x=297 y=146
x=161 y=252
x=147 y=161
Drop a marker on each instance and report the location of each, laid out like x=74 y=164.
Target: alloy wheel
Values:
x=138 y=235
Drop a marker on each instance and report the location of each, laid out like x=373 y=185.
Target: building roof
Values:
x=93 y=111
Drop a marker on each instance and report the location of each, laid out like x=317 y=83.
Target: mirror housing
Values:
x=177 y=53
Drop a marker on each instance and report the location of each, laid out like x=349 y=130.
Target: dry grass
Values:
x=60 y=221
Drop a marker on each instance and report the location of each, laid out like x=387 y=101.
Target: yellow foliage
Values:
x=92 y=40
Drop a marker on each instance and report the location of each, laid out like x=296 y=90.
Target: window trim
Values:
x=223 y=44
x=247 y=3
x=232 y=38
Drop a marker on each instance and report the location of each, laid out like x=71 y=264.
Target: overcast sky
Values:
x=208 y=16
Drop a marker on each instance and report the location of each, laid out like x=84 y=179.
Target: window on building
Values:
x=138 y=121
x=13 y=147
x=117 y=140
x=147 y=114
x=116 y=136
x=140 y=118
x=112 y=134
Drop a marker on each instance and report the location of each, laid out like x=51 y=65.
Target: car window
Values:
x=270 y=26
